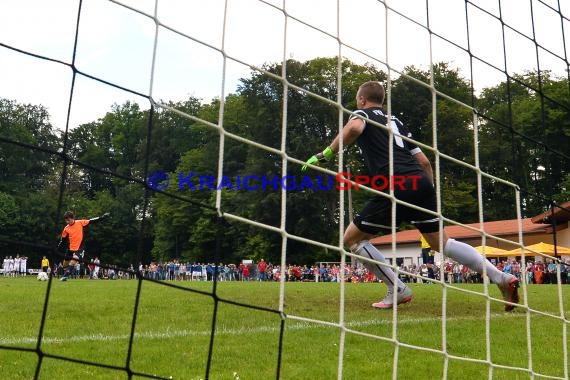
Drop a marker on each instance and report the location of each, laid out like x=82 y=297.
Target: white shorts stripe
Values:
x=425 y=221
x=374 y=224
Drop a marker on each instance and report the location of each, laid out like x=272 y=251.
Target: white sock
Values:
x=467 y=255
x=386 y=274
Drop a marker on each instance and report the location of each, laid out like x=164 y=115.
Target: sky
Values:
x=200 y=53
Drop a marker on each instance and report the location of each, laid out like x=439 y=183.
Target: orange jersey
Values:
x=75 y=233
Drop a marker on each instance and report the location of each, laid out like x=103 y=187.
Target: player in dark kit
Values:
x=415 y=186
x=72 y=235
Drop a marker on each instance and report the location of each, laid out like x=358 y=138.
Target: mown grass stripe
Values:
x=167 y=334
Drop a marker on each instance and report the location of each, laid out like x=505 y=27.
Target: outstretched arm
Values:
x=99 y=218
x=63 y=242
x=349 y=133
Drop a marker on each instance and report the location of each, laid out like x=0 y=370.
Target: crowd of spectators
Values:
x=537 y=272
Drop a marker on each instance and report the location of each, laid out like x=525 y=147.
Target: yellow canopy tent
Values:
x=547 y=249
x=491 y=251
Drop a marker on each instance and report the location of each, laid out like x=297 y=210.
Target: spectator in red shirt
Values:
x=261 y=269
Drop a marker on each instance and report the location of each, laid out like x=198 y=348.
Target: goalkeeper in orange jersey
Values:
x=72 y=236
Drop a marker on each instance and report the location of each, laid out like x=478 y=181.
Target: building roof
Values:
x=496 y=228
x=558 y=214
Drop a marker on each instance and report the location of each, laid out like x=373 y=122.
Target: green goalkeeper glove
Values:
x=324 y=156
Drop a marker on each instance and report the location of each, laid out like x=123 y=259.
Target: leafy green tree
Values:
x=311 y=124
x=22 y=126
x=117 y=143
x=525 y=136
x=412 y=103
x=177 y=219
x=9 y=212
x=27 y=204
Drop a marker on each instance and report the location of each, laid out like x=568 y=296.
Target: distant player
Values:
x=16 y=271
x=5 y=266
x=96 y=262
x=23 y=266
x=45 y=264
x=72 y=235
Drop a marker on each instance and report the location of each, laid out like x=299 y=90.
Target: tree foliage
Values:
x=522 y=126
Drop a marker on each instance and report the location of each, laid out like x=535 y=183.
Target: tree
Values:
x=311 y=123
x=524 y=133
x=412 y=104
x=27 y=203
x=525 y=136
x=23 y=126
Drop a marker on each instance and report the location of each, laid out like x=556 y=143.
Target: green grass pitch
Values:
x=91 y=321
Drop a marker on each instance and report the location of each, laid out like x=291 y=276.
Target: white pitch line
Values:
x=222 y=330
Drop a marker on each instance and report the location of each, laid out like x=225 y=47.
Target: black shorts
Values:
x=426 y=257
x=71 y=255
x=376 y=216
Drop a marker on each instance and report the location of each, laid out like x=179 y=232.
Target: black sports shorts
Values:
x=376 y=216
x=79 y=254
